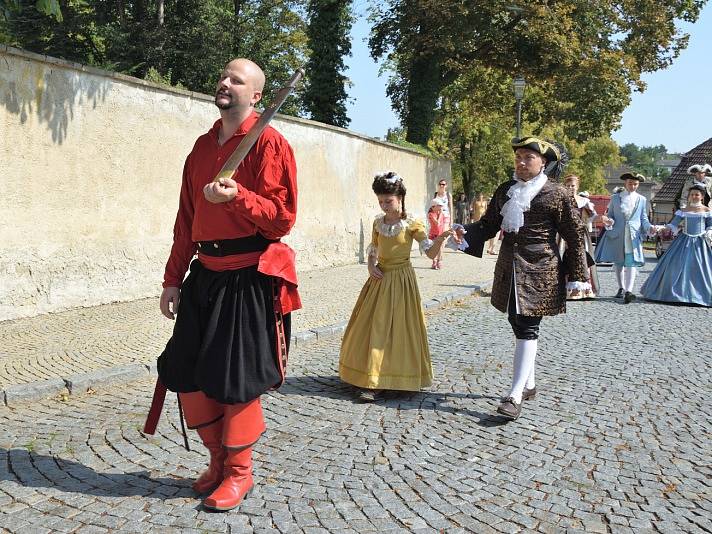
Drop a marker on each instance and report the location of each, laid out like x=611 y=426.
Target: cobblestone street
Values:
x=618 y=440
x=65 y=344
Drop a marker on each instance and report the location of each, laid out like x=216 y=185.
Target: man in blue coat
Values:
x=626 y=225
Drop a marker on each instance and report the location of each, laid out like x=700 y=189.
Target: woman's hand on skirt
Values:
x=375 y=272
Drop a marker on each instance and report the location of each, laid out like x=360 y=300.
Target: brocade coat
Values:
x=530 y=257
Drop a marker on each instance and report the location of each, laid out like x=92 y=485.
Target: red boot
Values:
x=206 y=417
x=243 y=425
x=237 y=481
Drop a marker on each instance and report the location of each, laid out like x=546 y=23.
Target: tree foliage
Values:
x=584 y=58
x=182 y=42
x=46 y=7
x=589 y=159
x=474 y=125
x=646 y=159
x=452 y=65
x=328 y=32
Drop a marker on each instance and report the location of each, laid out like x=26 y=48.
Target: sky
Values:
x=675 y=110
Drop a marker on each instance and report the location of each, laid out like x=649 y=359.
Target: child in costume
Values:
x=436 y=226
x=385 y=345
x=684 y=272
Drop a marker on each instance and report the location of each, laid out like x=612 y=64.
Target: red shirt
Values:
x=266 y=200
x=437 y=224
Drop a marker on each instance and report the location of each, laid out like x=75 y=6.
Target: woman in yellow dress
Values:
x=385 y=345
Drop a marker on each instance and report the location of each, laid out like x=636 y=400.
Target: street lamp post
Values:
x=519 y=84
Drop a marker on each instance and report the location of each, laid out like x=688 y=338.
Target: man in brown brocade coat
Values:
x=530 y=277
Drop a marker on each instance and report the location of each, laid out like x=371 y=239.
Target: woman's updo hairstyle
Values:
x=389 y=183
x=697 y=187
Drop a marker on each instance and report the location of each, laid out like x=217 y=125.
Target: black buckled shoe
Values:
x=620 y=293
x=528 y=394
x=509 y=408
x=629 y=297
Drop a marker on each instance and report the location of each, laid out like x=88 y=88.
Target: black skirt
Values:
x=224 y=340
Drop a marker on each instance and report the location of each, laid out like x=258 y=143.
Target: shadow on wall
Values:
x=31 y=85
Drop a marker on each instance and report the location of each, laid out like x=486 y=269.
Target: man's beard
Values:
x=230 y=103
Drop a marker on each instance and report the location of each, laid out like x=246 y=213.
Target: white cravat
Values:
x=520 y=197
x=628 y=203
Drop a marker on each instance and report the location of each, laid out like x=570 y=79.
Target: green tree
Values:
x=584 y=57
x=645 y=159
x=474 y=126
x=479 y=147
x=274 y=36
x=182 y=42
x=589 y=160
x=46 y=7
x=328 y=32
x=75 y=38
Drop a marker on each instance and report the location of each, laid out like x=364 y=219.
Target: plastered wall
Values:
x=90 y=170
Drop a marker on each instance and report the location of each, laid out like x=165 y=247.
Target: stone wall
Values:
x=90 y=169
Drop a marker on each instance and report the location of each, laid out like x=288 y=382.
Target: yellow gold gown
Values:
x=385 y=345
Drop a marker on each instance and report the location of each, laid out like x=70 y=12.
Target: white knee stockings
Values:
x=619 y=275
x=629 y=278
x=625 y=276
x=530 y=380
x=524 y=356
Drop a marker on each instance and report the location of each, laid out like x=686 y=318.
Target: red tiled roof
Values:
x=671 y=189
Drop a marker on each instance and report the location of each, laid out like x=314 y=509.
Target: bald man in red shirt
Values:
x=231 y=335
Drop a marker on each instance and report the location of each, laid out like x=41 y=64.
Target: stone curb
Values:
x=83 y=382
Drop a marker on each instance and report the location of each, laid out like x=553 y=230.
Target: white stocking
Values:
x=619 y=275
x=524 y=356
x=531 y=384
x=629 y=278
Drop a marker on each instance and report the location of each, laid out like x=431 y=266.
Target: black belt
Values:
x=241 y=245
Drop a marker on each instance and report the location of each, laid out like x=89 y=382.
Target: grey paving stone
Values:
x=80 y=383
x=422 y=462
x=304 y=337
x=15 y=394
x=431 y=304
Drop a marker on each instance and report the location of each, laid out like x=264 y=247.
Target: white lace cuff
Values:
x=425 y=245
x=673 y=228
x=372 y=251
x=454 y=245
x=581 y=286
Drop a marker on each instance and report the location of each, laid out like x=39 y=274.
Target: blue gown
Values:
x=684 y=273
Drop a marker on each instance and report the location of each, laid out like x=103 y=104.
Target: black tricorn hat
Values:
x=546 y=149
x=632 y=176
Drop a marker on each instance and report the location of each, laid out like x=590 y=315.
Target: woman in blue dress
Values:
x=684 y=272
